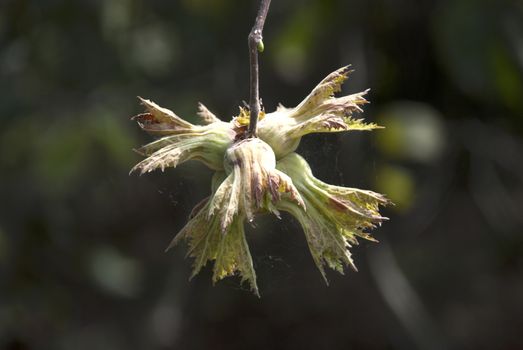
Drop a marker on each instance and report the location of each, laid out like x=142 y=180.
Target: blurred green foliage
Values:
x=81 y=242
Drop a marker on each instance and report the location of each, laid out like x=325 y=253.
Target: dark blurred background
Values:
x=81 y=242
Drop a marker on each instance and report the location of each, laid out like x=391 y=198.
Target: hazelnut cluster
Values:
x=263 y=174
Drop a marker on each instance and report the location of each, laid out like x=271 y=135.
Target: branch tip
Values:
x=256 y=45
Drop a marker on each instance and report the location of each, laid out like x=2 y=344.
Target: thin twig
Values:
x=255 y=45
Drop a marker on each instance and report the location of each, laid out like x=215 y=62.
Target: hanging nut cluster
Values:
x=263 y=174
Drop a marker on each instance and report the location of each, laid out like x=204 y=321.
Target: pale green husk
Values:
x=319 y=112
x=335 y=215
